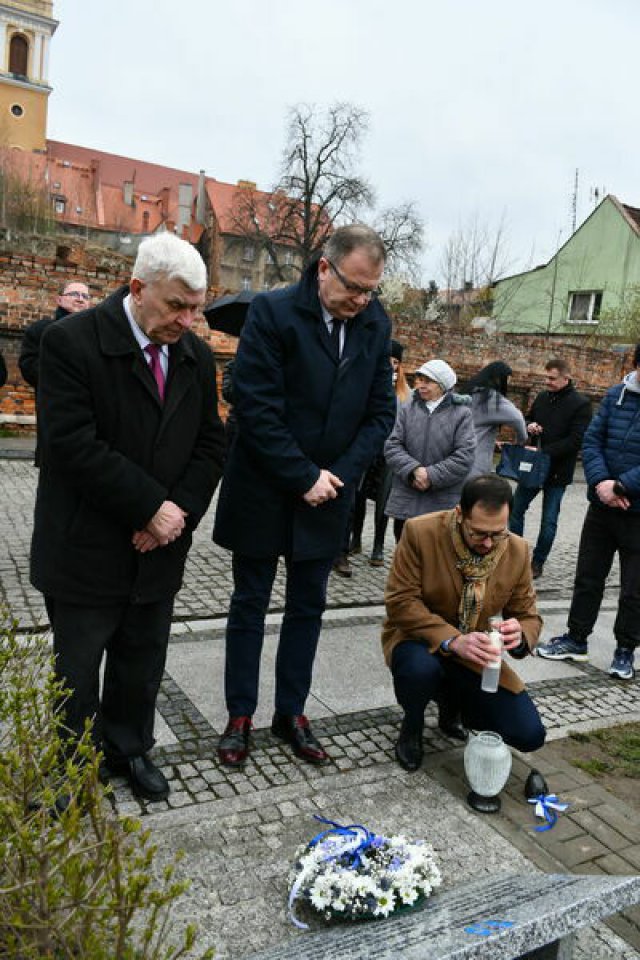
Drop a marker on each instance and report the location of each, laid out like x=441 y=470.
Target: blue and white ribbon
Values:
x=547 y=808
x=346 y=843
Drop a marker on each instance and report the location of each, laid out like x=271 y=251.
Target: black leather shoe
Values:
x=409 y=751
x=535 y=785
x=296 y=731
x=451 y=725
x=233 y=747
x=147 y=781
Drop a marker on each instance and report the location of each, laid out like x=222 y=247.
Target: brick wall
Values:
x=32 y=270
x=593 y=369
x=31 y=273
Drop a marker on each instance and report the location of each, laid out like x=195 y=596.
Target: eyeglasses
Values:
x=354 y=288
x=78 y=294
x=480 y=535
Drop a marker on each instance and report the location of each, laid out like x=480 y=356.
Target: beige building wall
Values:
x=23 y=116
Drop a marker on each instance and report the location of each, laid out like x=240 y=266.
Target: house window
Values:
x=249 y=252
x=59 y=204
x=288 y=258
x=18 y=55
x=584 y=306
x=246 y=283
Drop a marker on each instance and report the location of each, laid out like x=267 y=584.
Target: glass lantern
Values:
x=487 y=764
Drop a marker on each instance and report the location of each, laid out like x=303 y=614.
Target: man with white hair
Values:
x=131 y=452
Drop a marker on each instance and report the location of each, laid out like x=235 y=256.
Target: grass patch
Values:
x=614 y=750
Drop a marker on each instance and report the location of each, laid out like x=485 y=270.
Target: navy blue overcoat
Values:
x=300 y=410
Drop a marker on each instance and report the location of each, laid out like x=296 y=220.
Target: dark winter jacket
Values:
x=299 y=410
x=29 y=358
x=611 y=448
x=111 y=453
x=564 y=416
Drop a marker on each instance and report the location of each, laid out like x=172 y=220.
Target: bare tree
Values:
x=475 y=254
x=318 y=189
x=402 y=230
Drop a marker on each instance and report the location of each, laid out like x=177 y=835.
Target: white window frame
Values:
x=592 y=294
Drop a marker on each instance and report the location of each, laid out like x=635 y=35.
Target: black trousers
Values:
x=606 y=531
x=420 y=676
x=305 y=600
x=133 y=639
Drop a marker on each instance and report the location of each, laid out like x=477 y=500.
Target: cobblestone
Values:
x=239 y=828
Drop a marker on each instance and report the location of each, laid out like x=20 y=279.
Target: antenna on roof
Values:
x=574 y=202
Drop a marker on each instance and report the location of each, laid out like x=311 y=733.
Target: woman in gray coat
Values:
x=431 y=448
x=491 y=410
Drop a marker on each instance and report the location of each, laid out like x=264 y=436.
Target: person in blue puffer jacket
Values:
x=611 y=459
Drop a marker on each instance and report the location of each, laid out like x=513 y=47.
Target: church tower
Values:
x=26 y=28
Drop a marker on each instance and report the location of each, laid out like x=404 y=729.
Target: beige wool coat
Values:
x=424 y=589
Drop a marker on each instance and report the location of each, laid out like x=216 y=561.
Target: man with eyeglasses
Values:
x=451 y=572
x=74 y=296
x=314 y=404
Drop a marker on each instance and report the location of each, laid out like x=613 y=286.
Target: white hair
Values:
x=165 y=255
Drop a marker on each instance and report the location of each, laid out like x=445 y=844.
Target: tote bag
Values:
x=529 y=467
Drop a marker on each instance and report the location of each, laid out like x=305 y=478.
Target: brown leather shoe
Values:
x=342 y=567
x=296 y=731
x=233 y=747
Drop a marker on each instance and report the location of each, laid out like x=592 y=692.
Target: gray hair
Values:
x=356 y=236
x=165 y=255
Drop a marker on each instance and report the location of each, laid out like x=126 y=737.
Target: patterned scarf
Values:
x=475 y=570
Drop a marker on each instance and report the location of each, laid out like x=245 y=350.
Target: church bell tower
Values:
x=26 y=28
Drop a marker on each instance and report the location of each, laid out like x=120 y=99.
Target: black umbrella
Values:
x=227 y=314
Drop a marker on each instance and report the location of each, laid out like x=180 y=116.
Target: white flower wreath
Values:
x=351 y=873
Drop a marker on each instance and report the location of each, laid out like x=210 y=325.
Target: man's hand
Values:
x=167 y=523
x=511 y=633
x=534 y=428
x=325 y=488
x=421 y=479
x=474 y=647
x=143 y=541
x=608 y=496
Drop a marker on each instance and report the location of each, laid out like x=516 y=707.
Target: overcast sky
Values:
x=477 y=108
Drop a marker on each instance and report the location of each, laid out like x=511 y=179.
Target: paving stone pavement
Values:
x=240 y=829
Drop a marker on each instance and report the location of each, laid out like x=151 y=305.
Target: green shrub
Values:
x=76 y=880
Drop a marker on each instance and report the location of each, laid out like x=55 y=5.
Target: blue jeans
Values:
x=551 y=500
x=419 y=677
x=305 y=599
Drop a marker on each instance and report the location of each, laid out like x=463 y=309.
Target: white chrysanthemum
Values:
x=385 y=905
x=319 y=897
x=408 y=894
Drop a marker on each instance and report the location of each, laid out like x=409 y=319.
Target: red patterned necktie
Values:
x=153 y=352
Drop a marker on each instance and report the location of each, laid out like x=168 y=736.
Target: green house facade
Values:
x=593 y=273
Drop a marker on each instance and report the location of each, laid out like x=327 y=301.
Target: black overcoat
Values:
x=111 y=453
x=299 y=410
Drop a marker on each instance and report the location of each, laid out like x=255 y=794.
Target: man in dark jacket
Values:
x=559 y=417
x=314 y=403
x=611 y=457
x=131 y=452
x=74 y=296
